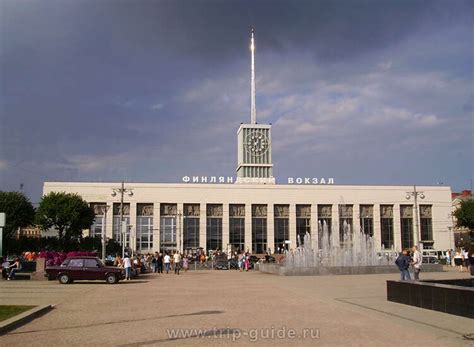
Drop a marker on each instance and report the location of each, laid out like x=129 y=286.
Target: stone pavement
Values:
x=230 y=308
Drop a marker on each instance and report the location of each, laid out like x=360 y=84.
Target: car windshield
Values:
x=99 y=262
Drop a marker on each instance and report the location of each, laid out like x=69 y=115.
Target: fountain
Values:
x=326 y=254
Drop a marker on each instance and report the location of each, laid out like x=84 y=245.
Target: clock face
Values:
x=256 y=143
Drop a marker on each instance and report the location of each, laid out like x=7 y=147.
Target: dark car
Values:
x=221 y=263
x=253 y=259
x=84 y=268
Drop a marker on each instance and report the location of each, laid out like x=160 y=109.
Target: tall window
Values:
x=117 y=229
x=237 y=227
x=324 y=224
x=214 y=227
x=386 y=226
x=191 y=226
x=281 y=225
x=99 y=220
x=406 y=224
x=367 y=219
x=303 y=222
x=168 y=214
x=426 y=227
x=259 y=228
x=144 y=227
x=345 y=224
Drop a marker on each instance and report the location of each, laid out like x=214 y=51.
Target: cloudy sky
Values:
x=367 y=92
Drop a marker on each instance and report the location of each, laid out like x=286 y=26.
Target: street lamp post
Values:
x=103 y=232
x=415 y=195
x=122 y=190
x=180 y=234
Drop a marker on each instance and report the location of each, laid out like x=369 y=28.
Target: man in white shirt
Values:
x=167 y=261
x=127 y=265
x=177 y=262
x=417 y=261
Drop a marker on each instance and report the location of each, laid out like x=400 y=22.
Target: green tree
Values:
x=68 y=213
x=465 y=215
x=19 y=212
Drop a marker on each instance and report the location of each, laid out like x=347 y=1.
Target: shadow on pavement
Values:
x=116 y=322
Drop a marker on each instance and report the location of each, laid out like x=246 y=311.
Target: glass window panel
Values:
x=237 y=234
x=282 y=234
x=214 y=234
x=303 y=226
x=191 y=232
x=259 y=235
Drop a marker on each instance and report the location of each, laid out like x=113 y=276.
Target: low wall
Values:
x=338 y=270
x=454 y=299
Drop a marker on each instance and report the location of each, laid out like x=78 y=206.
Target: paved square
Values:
x=228 y=306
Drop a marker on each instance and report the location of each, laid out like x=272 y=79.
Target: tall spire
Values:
x=253 y=111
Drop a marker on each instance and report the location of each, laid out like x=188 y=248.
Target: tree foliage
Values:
x=465 y=215
x=18 y=210
x=68 y=213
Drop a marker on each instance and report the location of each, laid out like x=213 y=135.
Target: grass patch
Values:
x=8 y=311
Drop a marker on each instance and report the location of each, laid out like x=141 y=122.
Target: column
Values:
x=416 y=225
x=156 y=227
x=248 y=227
x=202 y=225
x=133 y=225
x=397 y=235
x=225 y=226
x=335 y=224
x=314 y=226
x=270 y=227
x=377 y=228
x=179 y=226
x=355 y=218
x=109 y=222
x=292 y=226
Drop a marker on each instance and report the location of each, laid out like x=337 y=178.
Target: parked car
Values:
x=84 y=268
x=253 y=259
x=221 y=263
x=430 y=260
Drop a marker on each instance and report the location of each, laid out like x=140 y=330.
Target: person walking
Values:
x=417 y=262
x=458 y=261
x=167 y=262
x=403 y=263
x=241 y=261
x=185 y=264
x=465 y=256
x=159 y=263
x=153 y=263
x=247 y=262
x=448 y=257
x=177 y=262
x=127 y=265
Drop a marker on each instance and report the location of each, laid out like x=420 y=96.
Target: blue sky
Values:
x=367 y=92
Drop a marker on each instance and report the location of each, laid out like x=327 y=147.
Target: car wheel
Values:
x=111 y=279
x=64 y=279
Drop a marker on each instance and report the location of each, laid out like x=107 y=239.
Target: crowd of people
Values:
x=176 y=262
x=461 y=260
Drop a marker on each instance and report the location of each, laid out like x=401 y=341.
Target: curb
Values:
x=23 y=318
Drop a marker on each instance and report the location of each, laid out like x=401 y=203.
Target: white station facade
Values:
x=254 y=213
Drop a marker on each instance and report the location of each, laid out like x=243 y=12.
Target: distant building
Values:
x=461 y=235
x=29 y=231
